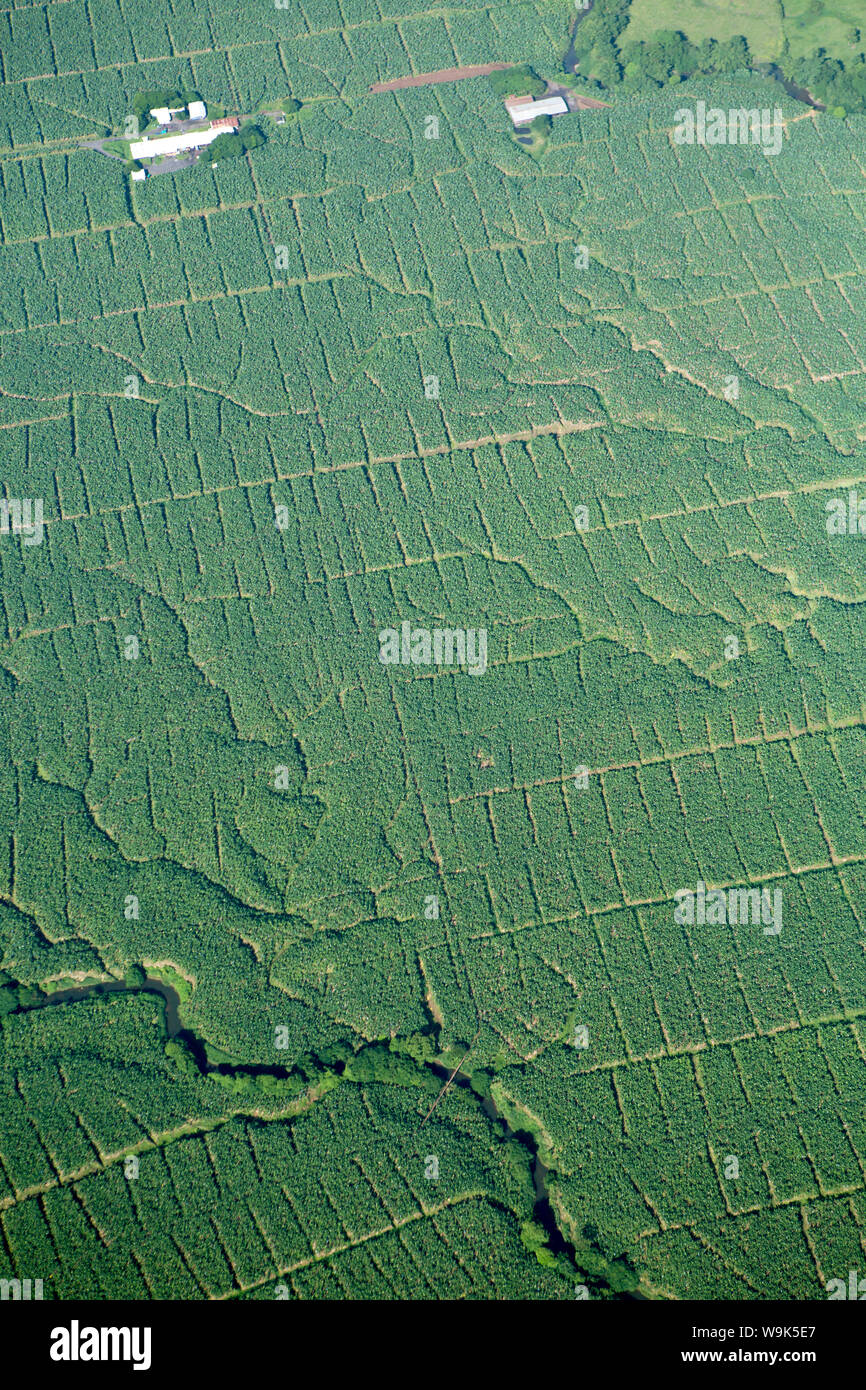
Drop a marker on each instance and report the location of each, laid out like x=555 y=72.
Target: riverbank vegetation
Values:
x=636 y=46
x=594 y=404
x=444 y=1158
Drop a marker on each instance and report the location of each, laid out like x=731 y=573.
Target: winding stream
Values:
x=170 y=996
x=798 y=93
x=570 y=61
x=543 y=1211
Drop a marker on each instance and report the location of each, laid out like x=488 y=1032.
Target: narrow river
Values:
x=570 y=61
x=543 y=1212
x=173 y=1025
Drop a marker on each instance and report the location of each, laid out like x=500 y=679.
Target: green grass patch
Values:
x=767 y=25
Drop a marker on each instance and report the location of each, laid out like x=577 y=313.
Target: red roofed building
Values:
x=225 y=123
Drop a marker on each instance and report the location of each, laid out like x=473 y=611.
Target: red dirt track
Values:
x=426 y=79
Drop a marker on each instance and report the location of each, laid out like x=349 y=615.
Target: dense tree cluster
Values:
x=839 y=86
x=232 y=146
x=604 y=54
x=519 y=80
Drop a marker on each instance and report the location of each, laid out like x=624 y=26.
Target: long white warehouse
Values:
x=174 y=144
x=522 y=112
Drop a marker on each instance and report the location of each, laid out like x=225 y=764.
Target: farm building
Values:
x=163 y=114
x=138 y=175
x=522 y=110
x=150 y=148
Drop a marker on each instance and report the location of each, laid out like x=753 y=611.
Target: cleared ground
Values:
x=429 y=79
x=767 y=24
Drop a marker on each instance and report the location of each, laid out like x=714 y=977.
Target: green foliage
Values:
x=299 y=901
x=419 y=1046
x=179 y=1053
x=250 y=136
x=643 y=55
x=533 y=1235
x=178 y=982
x=251 y=1198
x=379 y=1063
x=233 y=145
x=480 y=1083
x=227 y=146
x=669 y=56
x=519 y=80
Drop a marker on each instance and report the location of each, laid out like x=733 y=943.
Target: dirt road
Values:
x=426 y=79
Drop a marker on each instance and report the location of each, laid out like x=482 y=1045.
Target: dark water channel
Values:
x=798 y=93
x=170 y=996
x=543 y=1211
x=570 y=61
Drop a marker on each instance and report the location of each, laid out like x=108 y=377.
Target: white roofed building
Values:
x=197 y=111
x=156 y=147
x=522 y=110
x=160 y=114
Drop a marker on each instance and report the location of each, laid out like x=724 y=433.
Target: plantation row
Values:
x=340 y=38
x=784 y=317
x=236 y=1205
x=589 y=573
x=653 y=1170
x=525 y=984
x=68 y=73
x=55 y=1117
x=428 y=408
x=213 y=807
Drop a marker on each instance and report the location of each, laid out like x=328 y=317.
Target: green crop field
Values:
x=597 y=401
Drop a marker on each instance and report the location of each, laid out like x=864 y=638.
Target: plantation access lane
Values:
x=557 y=428
x=429 y=79
x=759 y=292
x=274 y=40
x=627 y=905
